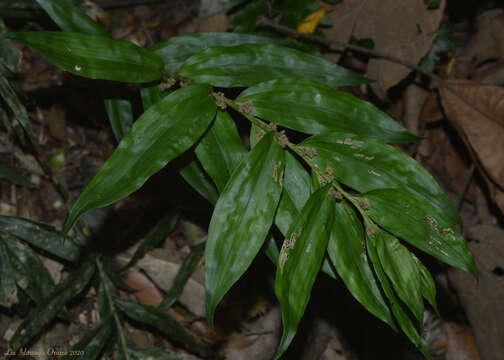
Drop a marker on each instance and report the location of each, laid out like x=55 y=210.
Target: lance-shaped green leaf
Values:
x=152 y=316
x=300 y=261
x=242 y=218
x=95 y=57
x=405 y=322
x=221 y=149
x=70 y=18
x=347 y=251
x=195 y=176
x=17 y=108
x=92 y=343
x=314 y=108
x=428 y=285
x=42 y=236
x=402 y=270
x=178 y=49
x=296 y=191
x=367 y=164
x=151 y=95
x=120 y=114
x=30 y=274
x=415 y=220
x=8 y=289
x=186 y=270
x=162 y=133
x=247 y=65
x=52 y=305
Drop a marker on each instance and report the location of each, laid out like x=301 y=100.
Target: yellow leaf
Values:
x=310 y=23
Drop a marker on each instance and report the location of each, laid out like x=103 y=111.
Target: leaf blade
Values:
x=92 y=56
x=241 y=219
x=250 y=64
x=300 y=261
x=316 y=108
x=157 y=137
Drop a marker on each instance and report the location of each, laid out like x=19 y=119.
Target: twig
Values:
x=337 y=45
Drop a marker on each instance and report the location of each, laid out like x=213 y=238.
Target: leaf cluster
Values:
x=344 y=199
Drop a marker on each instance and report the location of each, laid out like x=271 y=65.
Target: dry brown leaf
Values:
x=477 y=112
x=403 y=29
x=482 y=299
x=145 y=291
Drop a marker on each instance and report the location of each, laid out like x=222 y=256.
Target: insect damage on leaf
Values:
x=77 y=68
x=372 y=172
x=432 y=222
x=220 y=100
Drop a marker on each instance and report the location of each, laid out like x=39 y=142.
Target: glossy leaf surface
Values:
x=92 y=56
x=178 y=49
x=242 y=218
x=402 y=271
x=152 y=316
x=120 y=114
x=300 y=261
x=194 y=174
x=416 y=221
x=162 y=133
x=347 y=251
x=42 y=236
x=428 y=285
x=70 y=18
x=407 y=324
x=247 y=65
x=366 y=164
x=313 y=108
x=221 y=149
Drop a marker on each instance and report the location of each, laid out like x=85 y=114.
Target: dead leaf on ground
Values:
x=145 y=291
x=403 y=29
x=482 y=300
x=477 y=112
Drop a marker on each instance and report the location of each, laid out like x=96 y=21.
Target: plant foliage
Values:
x=367 y=198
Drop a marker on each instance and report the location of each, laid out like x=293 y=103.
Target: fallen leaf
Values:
x=477 y=113
x=402 y=29
x=310 y=23
x=145 y=291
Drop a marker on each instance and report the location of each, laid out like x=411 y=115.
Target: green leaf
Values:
x=221 y=149
x=95 y=57
x=42 y=236
x=8 y=288
x=52 y=305
x=178 y=49
x=347 y=251
x=242 y=218
x=428 y=285
x=92 y=343
x=247 y=65
x=13 y=175
x=442 y=44
x=186 y=270
x=10 y=55
x=366 y=164
x=151 y=95
x=405 y=322
x=195 y=176
x=418 y=222
x=10 y=97
x=402 y=270
x=163 y=228
x=152 y=316
x=314 y=108
x=300 y=261
x=120 y=114
x=30 y=274
x=162 y=133
x=293 y=11
x=138 y=353
x=244 y=21
x=70 y=18
x=296 y=192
